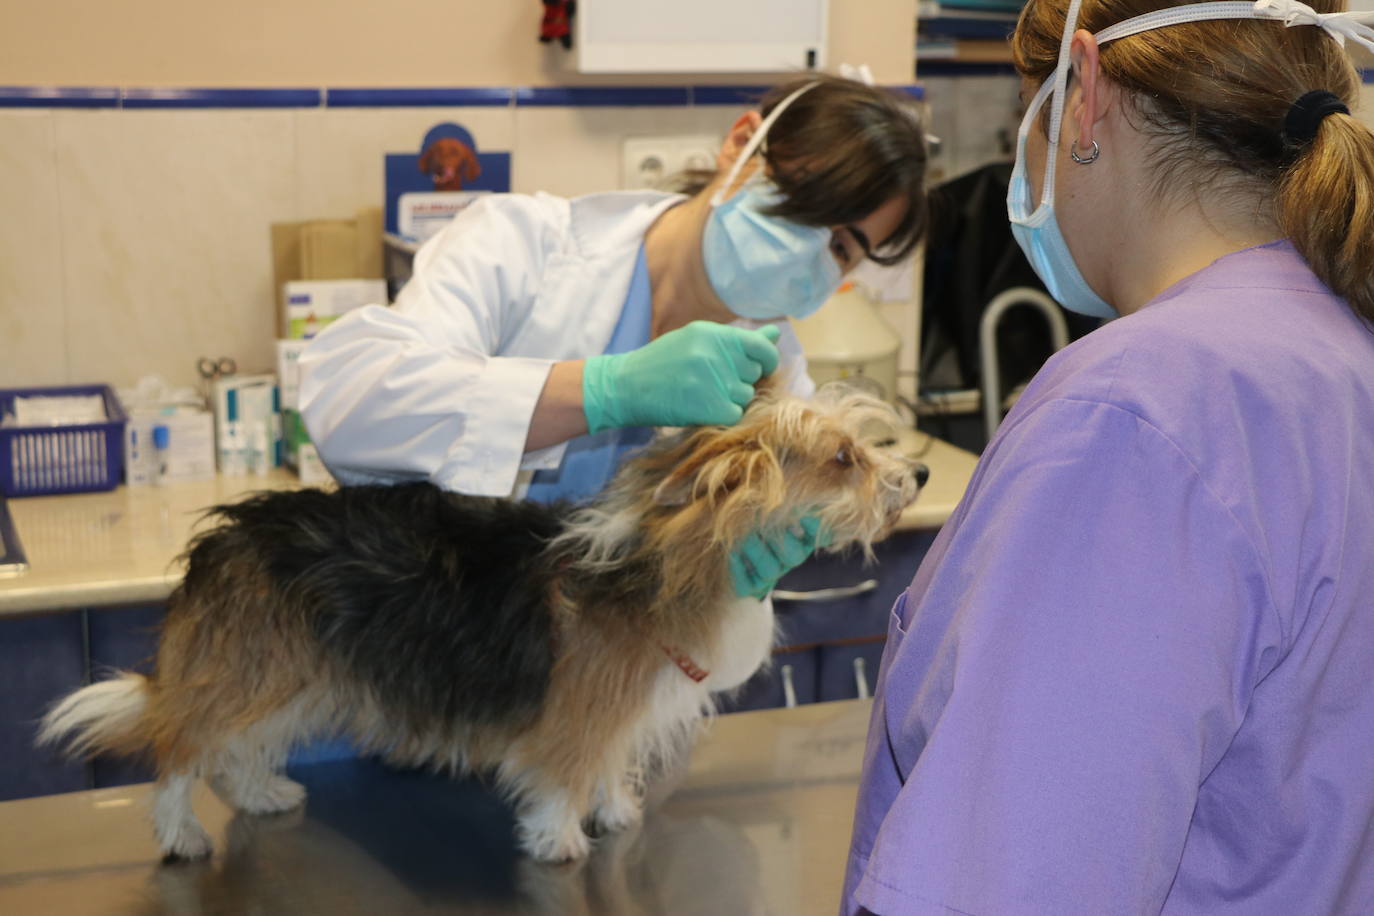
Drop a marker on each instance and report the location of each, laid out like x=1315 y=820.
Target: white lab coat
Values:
x=443 y=384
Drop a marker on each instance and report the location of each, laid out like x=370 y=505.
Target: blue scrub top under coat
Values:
x=588 y=464
x=591 y=461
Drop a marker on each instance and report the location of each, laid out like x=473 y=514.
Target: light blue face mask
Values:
x=1035 y=228
x=763 y=266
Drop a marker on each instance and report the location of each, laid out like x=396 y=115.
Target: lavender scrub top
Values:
x=1135 y=673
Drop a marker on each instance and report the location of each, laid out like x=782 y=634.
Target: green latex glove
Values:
x=758 y=563
x=699 y=375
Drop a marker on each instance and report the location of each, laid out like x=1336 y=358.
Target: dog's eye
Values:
x=844 y=458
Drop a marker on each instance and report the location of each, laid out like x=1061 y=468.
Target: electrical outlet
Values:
x=653 y=162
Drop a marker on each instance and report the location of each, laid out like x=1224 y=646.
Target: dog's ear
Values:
x=718 y=463
x=427 y=159
x=676 y=489
x=472 y=169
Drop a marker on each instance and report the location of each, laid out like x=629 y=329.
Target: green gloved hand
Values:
x=758 y=563
x=698 y=375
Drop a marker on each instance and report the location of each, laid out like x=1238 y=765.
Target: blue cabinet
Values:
x=789 y=680
x=833 y=632
x=122 y=639
x=42 y=659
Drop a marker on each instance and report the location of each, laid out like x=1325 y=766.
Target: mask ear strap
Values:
x=756 y=140
x=1061 y=79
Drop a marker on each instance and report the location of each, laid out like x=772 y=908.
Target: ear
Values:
x=427 y=159
x=677 y=488
x=1089 y=104
x=715 y=462
x=737 y=139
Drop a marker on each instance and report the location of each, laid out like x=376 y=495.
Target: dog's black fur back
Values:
x=437 y=602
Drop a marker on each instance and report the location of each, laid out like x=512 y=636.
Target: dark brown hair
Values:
x=1213 y=95
x=840 y=151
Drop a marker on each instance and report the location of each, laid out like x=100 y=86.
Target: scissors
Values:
x=212 y=369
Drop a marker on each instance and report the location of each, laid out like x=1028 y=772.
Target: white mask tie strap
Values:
x=1339 y=26
x=756 y=140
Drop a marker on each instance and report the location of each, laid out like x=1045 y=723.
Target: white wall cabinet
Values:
x=704 y=36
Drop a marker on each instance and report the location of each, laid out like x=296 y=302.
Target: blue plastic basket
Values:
x=47 y=460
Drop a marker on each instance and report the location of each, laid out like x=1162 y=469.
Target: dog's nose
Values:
x=922 y=474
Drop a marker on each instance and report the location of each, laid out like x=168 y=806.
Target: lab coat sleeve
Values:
x=422 y=390
x=1062 y=680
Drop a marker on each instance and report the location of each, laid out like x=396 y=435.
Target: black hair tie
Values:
x=1303 y=119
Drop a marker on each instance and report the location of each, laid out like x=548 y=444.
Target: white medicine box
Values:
x=289 y=373
x=310 y=305
x=188 y=452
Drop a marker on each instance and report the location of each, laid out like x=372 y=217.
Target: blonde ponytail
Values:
x=1326 y=206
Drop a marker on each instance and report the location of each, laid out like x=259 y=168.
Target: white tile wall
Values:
x=572 y=151
x=33 y=320
x=975 y=118
x=164 y=237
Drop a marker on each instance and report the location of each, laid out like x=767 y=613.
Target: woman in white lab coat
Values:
x=540 y=338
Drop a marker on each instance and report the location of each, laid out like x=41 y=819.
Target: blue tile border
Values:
x=750 y=95
x=590 y=96
x=221 y=98
x=419 y=97
x=57 y=97
x=727 y=95
x=403 y=97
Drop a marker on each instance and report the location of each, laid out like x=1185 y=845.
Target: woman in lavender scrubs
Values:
x=1136 y=672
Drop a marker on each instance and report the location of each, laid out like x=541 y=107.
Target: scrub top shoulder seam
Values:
x=1213 y=496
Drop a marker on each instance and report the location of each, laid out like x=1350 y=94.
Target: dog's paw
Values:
x=621 y=811
x=274 y=796
x=189 y=843
x=553 y=843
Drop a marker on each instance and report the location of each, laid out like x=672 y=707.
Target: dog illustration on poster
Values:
x=447 y=156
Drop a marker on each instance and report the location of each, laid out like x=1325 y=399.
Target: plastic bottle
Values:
x=161 y=441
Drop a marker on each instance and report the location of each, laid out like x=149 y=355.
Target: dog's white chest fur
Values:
x=743 y=644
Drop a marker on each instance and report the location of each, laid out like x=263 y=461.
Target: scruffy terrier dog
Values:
x=564 y=650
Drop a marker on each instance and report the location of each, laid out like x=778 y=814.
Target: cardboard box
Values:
x=326 y=249
x=312 y=304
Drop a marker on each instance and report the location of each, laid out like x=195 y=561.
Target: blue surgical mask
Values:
x=1035 y=228
x=760 y=265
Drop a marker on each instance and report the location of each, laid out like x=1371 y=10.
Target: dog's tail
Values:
x=104 y=717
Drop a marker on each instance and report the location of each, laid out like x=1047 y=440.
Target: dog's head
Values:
x=833 y=457
x=449 y=162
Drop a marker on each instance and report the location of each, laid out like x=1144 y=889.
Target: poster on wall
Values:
x=425 y=189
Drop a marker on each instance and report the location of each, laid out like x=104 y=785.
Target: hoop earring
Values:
x=1073 y=154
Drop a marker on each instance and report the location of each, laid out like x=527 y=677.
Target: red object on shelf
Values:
x=557 y=23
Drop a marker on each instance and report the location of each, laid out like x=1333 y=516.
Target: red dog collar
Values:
x=684 y=661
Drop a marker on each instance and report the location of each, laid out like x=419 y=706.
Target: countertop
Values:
x=757 y=823
x=121 y=546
